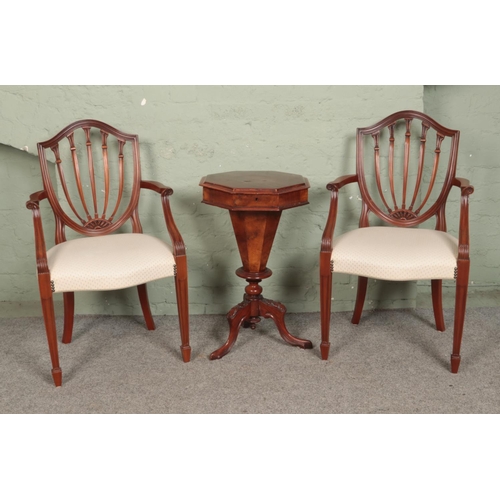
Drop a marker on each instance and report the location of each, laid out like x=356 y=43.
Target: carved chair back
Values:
x=95 y=187
x=405 y=165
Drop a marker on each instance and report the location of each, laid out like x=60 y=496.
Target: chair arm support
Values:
x=33 y=204
x=334 y=186
x=463 y=229
x=340 y=182
x=36 y=198
x=463 y=184
x=158 y=187
x=165 y=191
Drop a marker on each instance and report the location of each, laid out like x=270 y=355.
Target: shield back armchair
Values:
x=94 y=190
x=405 y=169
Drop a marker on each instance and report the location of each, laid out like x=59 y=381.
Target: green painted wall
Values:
x=475 y=111
x=189 y=131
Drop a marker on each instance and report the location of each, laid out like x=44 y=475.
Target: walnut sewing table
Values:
x=255 y=200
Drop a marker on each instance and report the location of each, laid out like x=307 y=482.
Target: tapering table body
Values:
x=255 y=200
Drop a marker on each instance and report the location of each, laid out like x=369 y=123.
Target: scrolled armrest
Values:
x=158 y=187
x=464 y=185
x=340 y=182
x=165 y=191
x=35 y=199
x=334 y=186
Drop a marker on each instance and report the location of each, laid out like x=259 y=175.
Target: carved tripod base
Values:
x=249 y=312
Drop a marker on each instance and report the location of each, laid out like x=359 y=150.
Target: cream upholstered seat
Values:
x=396 y=253
x=402 y=182
x=109 y=262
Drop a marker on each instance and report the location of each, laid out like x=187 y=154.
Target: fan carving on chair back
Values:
x=402 y=174
x=97 y=169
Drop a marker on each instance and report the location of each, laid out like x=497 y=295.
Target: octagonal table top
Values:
x=258 y=190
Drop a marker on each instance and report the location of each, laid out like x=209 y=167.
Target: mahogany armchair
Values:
x=396 y=250
x=96 y=201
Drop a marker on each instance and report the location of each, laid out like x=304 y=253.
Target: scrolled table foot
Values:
x=235 y=317
x=276 y=311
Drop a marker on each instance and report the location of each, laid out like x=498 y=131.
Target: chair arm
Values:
x=334 y=186
x=36 y=198
x=33 y=204
x=463 y=229
x=463 y=184
x=165 y=191
x=340 y=182
x=158 y=187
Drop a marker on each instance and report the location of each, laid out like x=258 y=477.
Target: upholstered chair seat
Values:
x=396 y=253
x=109 y=262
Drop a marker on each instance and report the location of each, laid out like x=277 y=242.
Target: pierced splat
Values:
x=407 y=204
x=95 y=213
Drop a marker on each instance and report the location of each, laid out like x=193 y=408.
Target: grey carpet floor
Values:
x=392 y=362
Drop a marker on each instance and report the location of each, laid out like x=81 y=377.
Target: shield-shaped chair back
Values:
x=95 y=187
x=406 y=164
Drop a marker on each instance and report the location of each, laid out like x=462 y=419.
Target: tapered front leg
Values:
x=181 y=291
x=460 y=304
x=50 y=325
x=325 y=292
